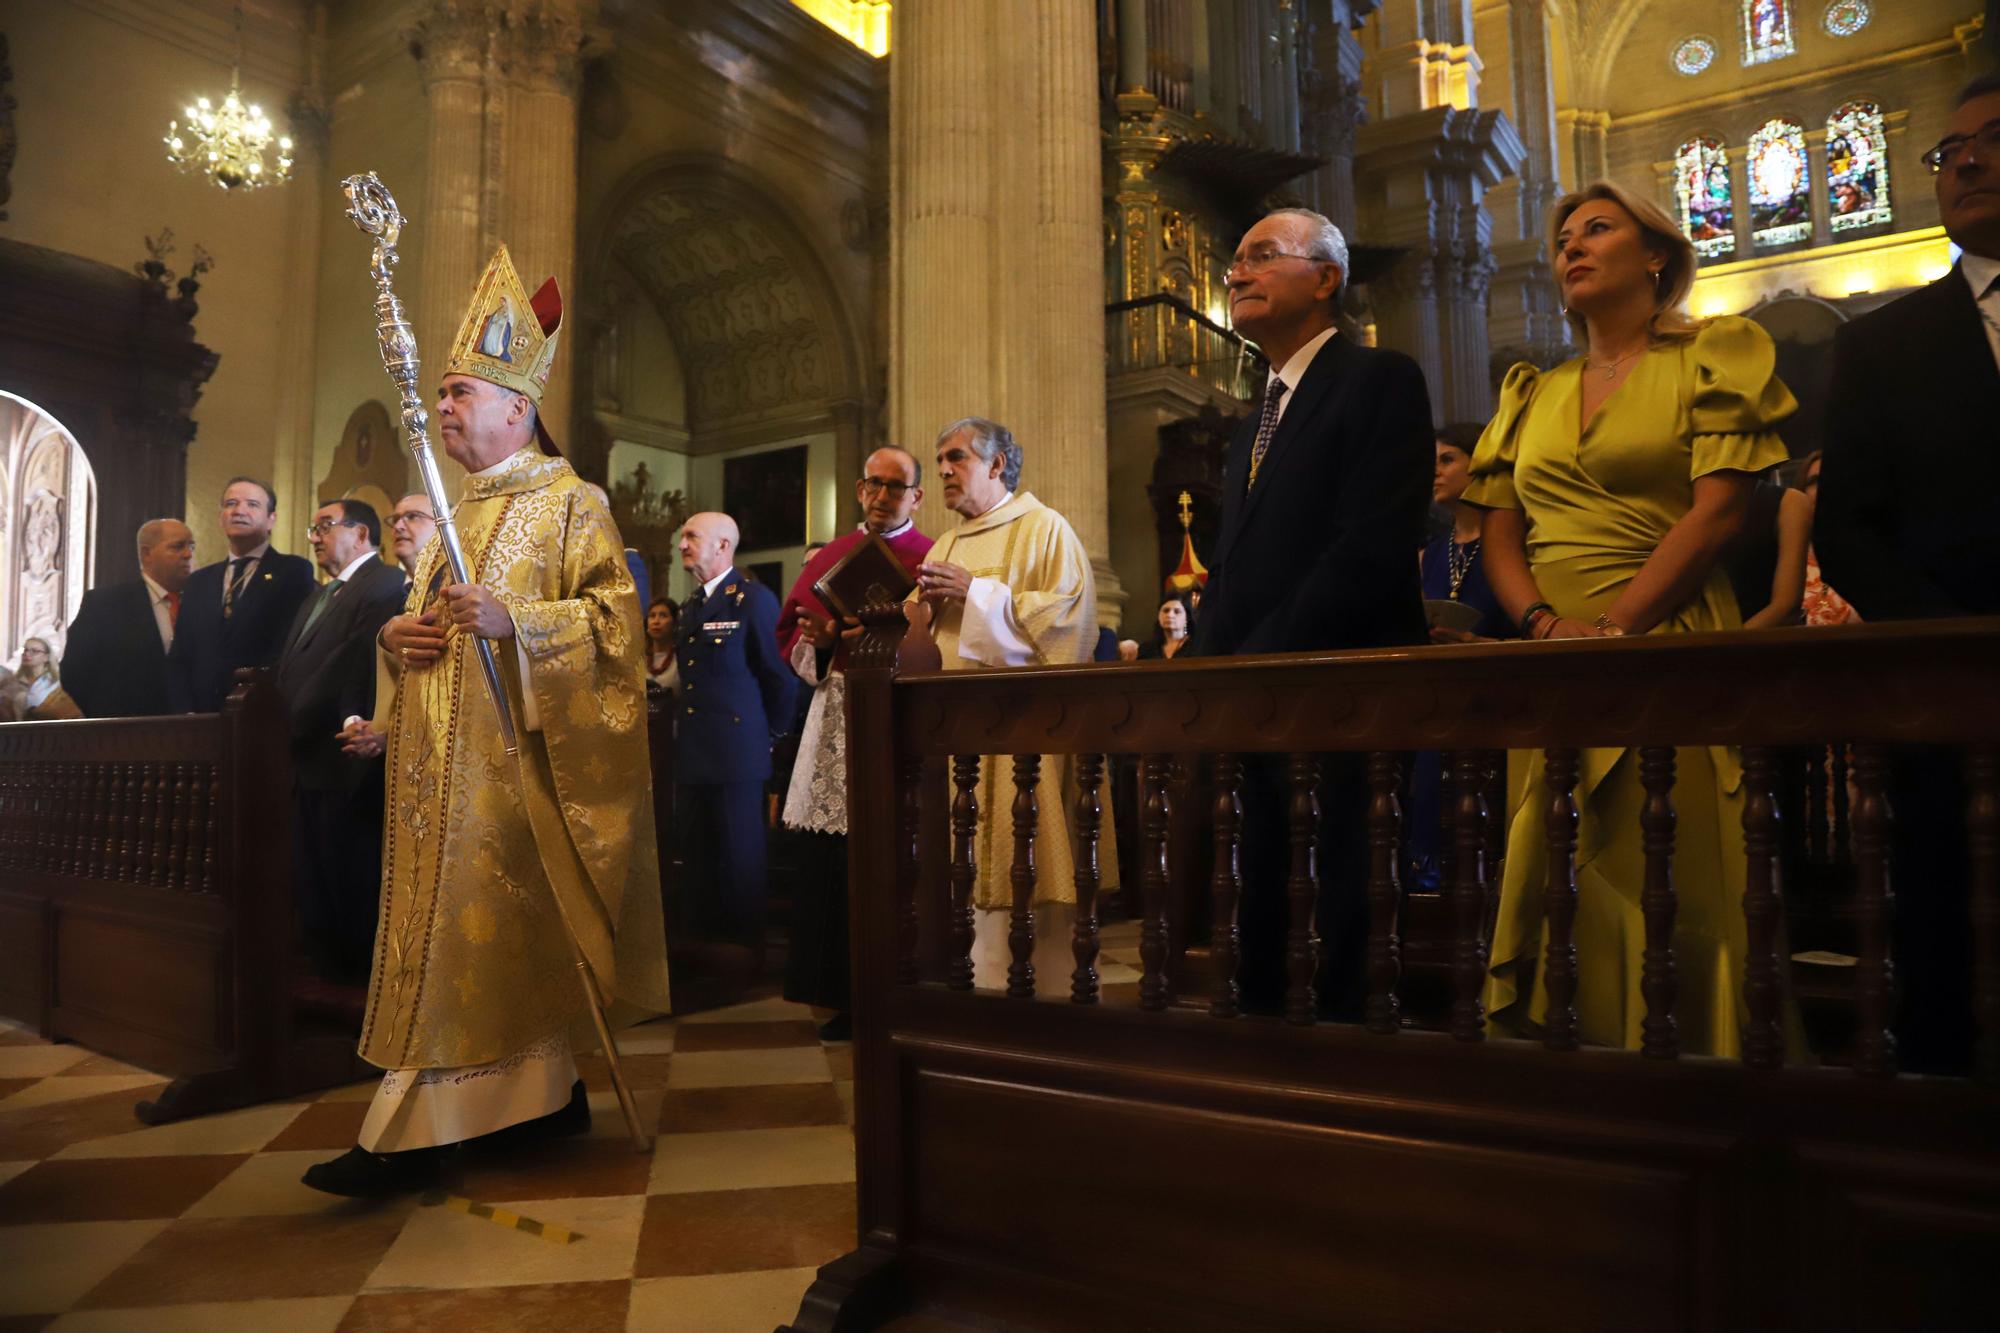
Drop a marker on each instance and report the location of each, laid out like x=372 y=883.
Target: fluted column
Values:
x=294 y=469
x=997 y=256
x=538 y=196
x=453 y=44
x=1526 y=321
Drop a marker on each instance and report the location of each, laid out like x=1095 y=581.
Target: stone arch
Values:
x=748 y=301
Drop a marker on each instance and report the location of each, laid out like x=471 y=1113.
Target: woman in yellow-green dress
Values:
x=1610 y=486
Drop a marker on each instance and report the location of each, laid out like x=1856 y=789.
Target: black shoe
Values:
x=573 y=1118
x=360 y=1174
x=838 y=1028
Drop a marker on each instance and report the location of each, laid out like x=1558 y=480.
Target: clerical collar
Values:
x=898 y=531
x=708 y=588
x=1295 y=369
x=356 y=563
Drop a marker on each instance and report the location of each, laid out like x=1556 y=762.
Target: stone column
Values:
x=294 y=468
x=1525 y=321
x=1818 y=207
x=1332 y=108
x=1426 y=175
x=997 y=251
x=537 y=198
x=1739 y=197
x=454 y=46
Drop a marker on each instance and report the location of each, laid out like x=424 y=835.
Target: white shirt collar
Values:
x=1979 y=272
x=257 y=554
x=356 y=563
x=897 y=531
x=500 y=466
x=708 y=588
x=1295 y=369
x=159 y=593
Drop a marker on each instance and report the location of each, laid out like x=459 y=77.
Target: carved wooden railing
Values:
x=1075 y=1163
x=145 y=899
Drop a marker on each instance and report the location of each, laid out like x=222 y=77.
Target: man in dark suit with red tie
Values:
x=1325 y=493
x=115 y=654
x=326 y=675
x=1904 y=530
x=237 y=610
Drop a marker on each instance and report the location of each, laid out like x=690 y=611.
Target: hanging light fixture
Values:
x=231 y=144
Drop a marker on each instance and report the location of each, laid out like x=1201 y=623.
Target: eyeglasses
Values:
x=411 y=516
x=1951 y=150
x=1259 y=260
x=326 y=525
x=895 y=490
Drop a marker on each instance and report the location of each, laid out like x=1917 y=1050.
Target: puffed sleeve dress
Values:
x=1598 y=497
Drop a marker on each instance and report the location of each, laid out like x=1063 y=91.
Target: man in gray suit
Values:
x=326 y=674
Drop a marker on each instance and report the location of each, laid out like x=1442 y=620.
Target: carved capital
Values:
x=452 y=39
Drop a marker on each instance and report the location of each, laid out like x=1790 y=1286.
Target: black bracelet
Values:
x=1528 y=616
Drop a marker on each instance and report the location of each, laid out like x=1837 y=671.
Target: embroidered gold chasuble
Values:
x=1051 y=614
x=472 y=965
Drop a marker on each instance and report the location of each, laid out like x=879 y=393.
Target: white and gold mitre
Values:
x=508 y=337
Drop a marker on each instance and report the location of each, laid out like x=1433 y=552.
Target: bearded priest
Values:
x=475 y=998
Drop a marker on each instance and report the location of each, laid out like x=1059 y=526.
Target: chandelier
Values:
x=231 y=144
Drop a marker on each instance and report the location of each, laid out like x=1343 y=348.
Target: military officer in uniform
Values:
x=736 y=691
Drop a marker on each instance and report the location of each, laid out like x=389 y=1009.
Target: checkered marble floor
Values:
x=106 y=1224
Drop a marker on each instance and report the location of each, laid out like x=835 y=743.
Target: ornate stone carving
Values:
x=751 y=334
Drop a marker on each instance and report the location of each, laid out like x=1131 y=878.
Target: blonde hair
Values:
x=1670 y=316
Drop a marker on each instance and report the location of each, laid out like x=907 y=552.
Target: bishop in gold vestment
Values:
x=490 y=860
x=1012 y=587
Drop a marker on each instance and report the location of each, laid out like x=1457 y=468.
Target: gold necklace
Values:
x=1610 y=367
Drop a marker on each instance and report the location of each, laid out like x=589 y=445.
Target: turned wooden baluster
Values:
x=36 y=842
x=1982 y=826
x=211 y=813
x=1817 y=850
x=964 y=822
x=1559 y=820
x=90 y=837
x=143 y=812
x=1447 y=840
x=76 y=795
x=1763 y=1041
x=8 y=818
x=114 y=797
x=1659 y=1030
x=1154 y=774
x=1021 y=923
x=163 y=823
x=1468 y=954
x=1837 y=764
x=177 y=875
x=909 y=852
x=1302 y=888
x=1385 y=838
x=128 y=827
x=1875 y=899
x=1089 y=825
x=1226 y=884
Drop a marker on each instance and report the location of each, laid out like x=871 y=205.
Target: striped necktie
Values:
x=1267 y=426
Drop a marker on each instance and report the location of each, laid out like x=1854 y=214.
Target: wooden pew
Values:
x=1042 y=1159
x=146 y=901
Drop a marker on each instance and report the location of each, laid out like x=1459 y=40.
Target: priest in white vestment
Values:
x=1011 y=586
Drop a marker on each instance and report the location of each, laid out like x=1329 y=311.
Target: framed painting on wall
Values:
x=766 y=495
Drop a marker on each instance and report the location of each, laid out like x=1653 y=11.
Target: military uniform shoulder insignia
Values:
x=730 y=589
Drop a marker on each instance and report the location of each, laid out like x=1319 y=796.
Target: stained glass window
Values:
x=1701 y=184
x=1844 y=18
x=1779 y=209
x=1857 y=167
x=1694 y=55
x=1767 y=30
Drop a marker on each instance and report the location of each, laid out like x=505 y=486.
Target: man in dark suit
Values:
x=735 y=692
x=115 y=657
x=326 y=675
x=1325 y=492
x=1899 y=533
x=237 y=610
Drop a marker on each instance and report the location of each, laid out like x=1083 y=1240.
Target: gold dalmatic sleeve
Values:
x=472 y=963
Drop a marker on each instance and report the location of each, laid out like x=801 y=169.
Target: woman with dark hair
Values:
x=1173 y=619
x=1611 y=486
x=1450 y=563
x=662 y=671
